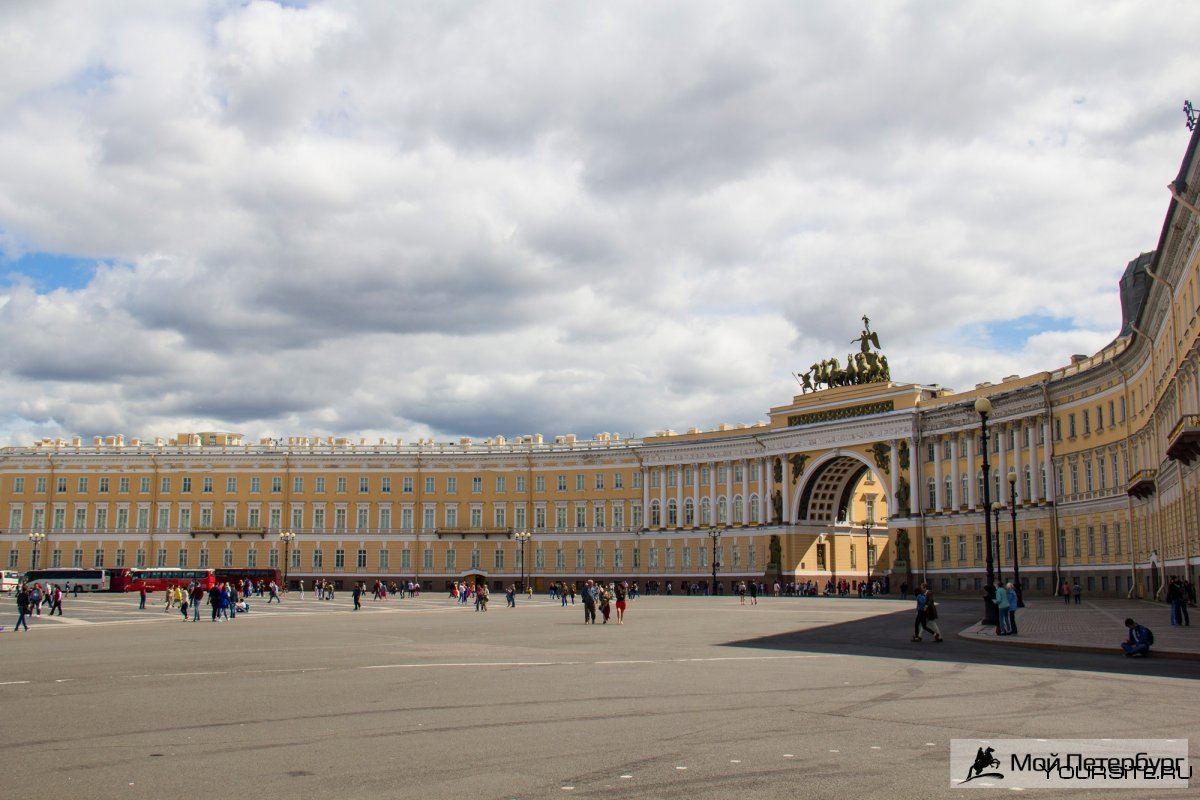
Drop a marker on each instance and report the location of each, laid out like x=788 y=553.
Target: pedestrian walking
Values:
x=589 y=602
x=22 y=608
x=1066 y=592
x=1000 y=598
x=926 y=615
x=621 y=592
x=1077 y=591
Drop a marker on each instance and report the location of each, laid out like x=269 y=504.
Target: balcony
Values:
x=1183 y=443
x=1142 y=483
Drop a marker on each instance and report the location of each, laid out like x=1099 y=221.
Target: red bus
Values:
x=158 y=580
x=258 y=575
x=118 y=578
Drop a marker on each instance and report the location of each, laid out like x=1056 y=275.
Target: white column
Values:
x=696 y=494
x=914 y=474
x=763 y=500
x=769 y=473
x=940 y=500
x=972 y=472
x=1019 y=443
x=679 y=496
x=894 y=464
x=1035 y=483
x=1049 y=465
x=712 y=492
x=645 y=499
x=729 y=490
x=662 y=496
x=955 y=499
x=999 y=495
x=745 y=486
x=786 y=473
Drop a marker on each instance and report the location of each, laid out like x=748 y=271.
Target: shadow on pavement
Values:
x=889 y=636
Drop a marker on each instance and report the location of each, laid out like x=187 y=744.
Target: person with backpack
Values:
x=1140 y=640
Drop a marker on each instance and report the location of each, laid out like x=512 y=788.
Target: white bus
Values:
x=88 y=580
x=9 y=581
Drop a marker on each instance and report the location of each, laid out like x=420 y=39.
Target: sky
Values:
x=366 y=218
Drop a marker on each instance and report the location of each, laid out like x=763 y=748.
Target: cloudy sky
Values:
x=404 y=219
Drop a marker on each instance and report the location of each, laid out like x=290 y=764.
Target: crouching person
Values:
x=1139 y=641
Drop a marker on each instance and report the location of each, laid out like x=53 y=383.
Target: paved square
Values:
x=693 y=697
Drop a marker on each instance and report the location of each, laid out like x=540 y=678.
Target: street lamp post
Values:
x=1012 y=507
x=522 y=537
x=983 y=407
x=999 y=561
x=287 y=537
x=36 y=537
x=715 y=535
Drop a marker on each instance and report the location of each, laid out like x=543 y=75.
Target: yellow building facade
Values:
x=872 y=480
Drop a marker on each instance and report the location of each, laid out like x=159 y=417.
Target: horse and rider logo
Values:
x=984 y=759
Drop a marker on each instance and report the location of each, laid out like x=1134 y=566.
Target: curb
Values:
x=1071 y=648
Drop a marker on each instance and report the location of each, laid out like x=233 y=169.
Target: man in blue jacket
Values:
x=1139 y=641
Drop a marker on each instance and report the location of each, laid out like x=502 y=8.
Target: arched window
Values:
x=754 y=509
x=689 y=512
x=705 y=511
x=738 y=516
x=672 y=513
x=655 y=514
x=932 y=494
x=949 y=498
x=722 y=511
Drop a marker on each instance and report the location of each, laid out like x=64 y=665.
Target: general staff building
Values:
x=1092 y=477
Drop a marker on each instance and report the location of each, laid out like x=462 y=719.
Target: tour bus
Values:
x=258 y=575
x=118 y=578
x=9 y=581
x=88 y=580
x=159 y=579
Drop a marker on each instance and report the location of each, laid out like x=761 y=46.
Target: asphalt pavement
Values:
x=693 y=697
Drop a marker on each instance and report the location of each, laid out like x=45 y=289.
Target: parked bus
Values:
x=118 y=578
x=88 y=580
x=9 y=581
x=157 y=580
x=237 y=575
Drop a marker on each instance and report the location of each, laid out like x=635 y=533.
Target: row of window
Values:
x=1039 y=538
x=704 y=474
x=601 y=516
x=705 y=517
x=689 y=556
x=320 y=484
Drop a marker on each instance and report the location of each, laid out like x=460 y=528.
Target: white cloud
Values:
x=370 y=218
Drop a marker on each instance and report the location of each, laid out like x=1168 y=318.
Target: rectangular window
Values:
x=946 y=549
x=140 y=559
x=539 y=483
x=406 y=484
x=256 y=485
x=562 y=483
x=384 y=559
x=618 y=481
x=427 y=558
x=362 y=559
x=637 y=479
x=297 y=484
x=319 y=485
x=520 y=483
x=477 y=485
x=406 y=559
x=451 y=485
x=119 y=561
x=276 y=485
x=206 y=485
x=451 y=560
x=160 y=557
x=231 y=485
x=227 y=558
x=339 y=558
x=187 y=482
x=124 y=485
x=318 y=558
x=361 y=519
x=498 y=558
x=385 y=485
x=429 y=485
x=579 y=558
x=579 y=482
x=364 y=485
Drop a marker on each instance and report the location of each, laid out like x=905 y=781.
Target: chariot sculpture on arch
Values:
x=868 y=365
